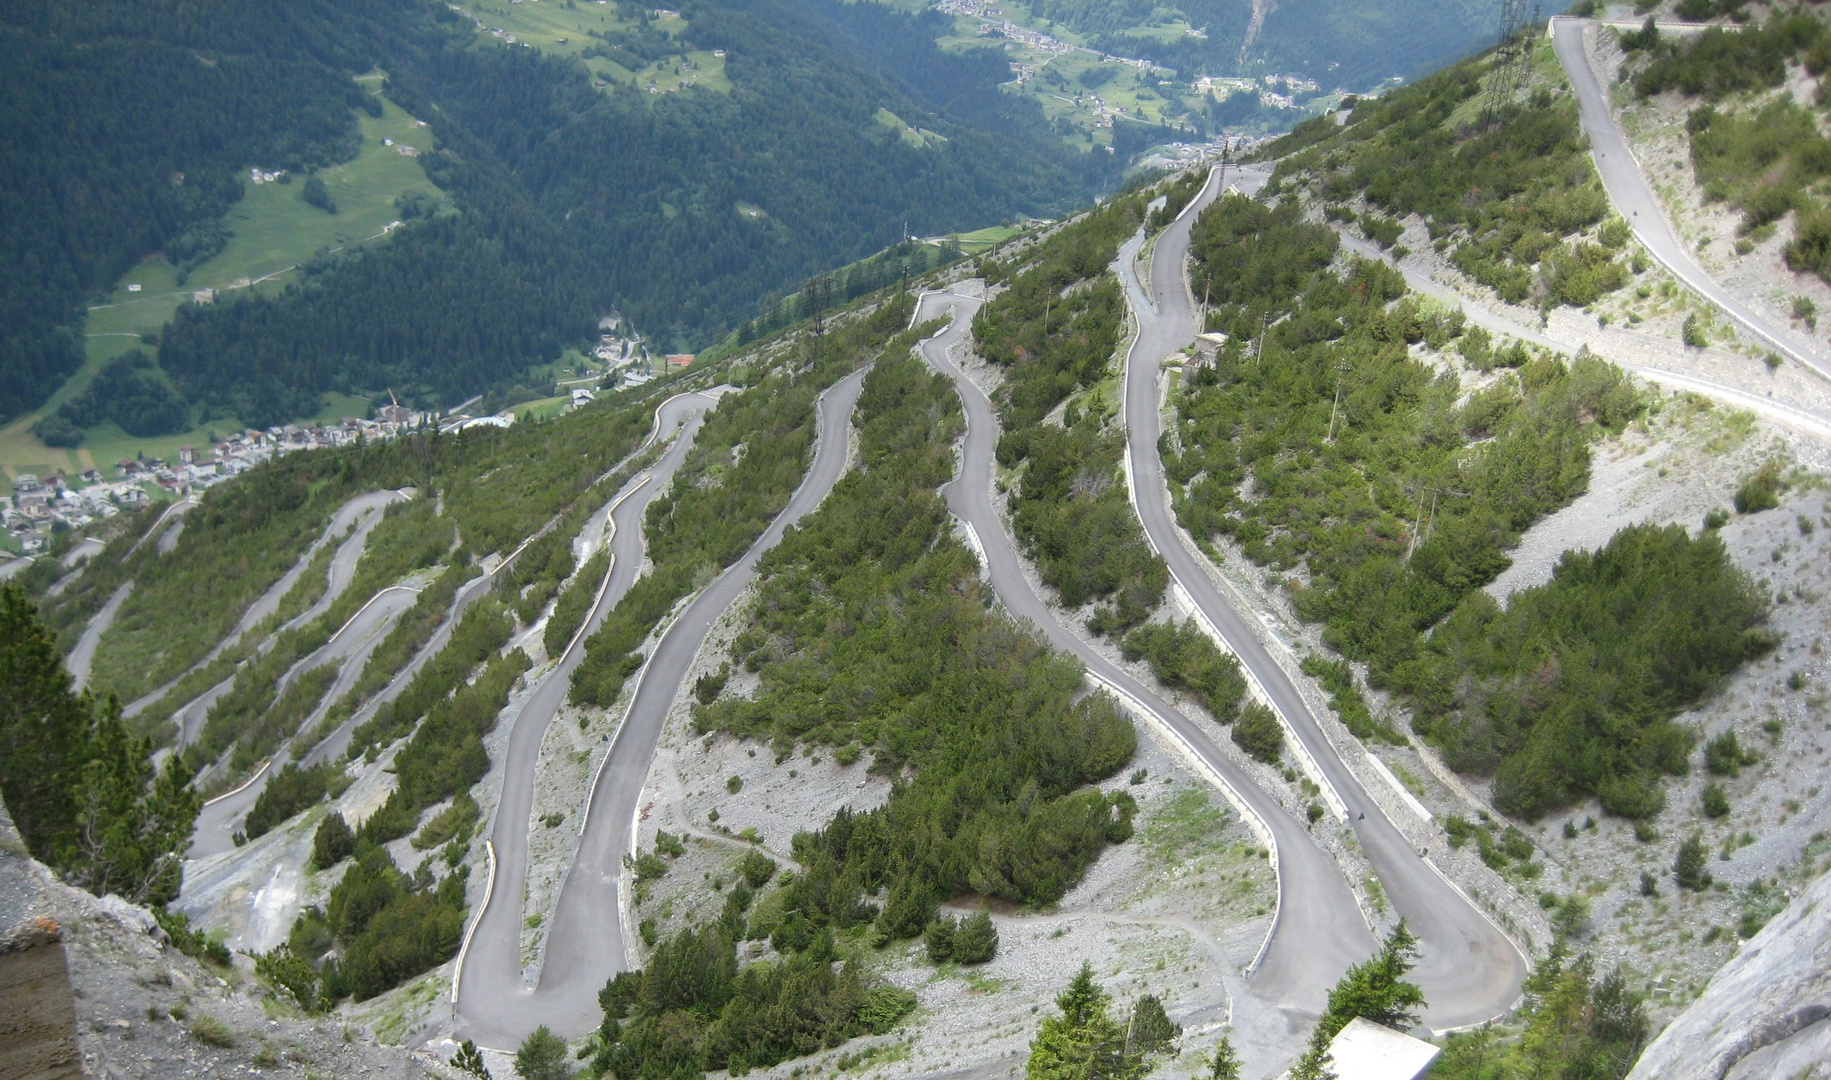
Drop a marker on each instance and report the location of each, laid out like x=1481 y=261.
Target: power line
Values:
x=1512 y=61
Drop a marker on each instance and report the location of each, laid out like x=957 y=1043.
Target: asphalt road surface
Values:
x=82 y=658
x=1470 y=971
x=1319 y=930
x=182 y=506
x=585 y=947
x=364 y=511
x=1634 y=200
x=220 y=818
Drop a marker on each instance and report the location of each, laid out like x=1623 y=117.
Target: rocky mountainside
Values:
x=1767 y=1013
x=94 y=988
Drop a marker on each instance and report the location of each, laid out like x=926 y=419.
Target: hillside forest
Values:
x=561 y=201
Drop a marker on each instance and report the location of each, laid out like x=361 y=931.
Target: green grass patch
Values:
x=272 y=231
x=615 y=49
x=1190 y=824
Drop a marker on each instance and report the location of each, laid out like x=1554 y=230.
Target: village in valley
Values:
x=41 y=506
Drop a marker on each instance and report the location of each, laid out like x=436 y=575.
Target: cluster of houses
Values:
x=625 y=354
x=38 y=506
x=1274 y=91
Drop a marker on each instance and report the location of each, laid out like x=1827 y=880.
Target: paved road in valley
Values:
x=1319 y=931
x=585 y=946
x=1634 y=200
x=1470 y=971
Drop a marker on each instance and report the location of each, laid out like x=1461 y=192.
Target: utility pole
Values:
x=820 y=295
x=1420 y=519
x=1264 y=323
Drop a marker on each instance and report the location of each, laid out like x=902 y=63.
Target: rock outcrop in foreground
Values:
x=1767 y=1013
x=91 y=988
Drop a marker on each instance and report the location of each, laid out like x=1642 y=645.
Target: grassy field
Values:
x=980 y=239
x=563 y=28
x=273 y=230
x=911 y=136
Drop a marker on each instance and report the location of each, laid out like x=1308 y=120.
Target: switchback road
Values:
x=1318 y=930
x=1634 y=199
x=585 y=947
x=220 y=818
x=1470 y=971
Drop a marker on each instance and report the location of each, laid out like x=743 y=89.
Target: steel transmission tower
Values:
x=1512 y=58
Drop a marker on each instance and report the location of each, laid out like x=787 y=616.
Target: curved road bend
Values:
x=219 y=819
x=364 y=508
x=1634 y=200
x=1470 y=971
x=182 y=506
x=1319 y=930
x=82 y=657
x=1803 y=418
x=585 y=946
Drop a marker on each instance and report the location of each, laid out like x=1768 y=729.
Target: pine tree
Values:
x=1151 y=1029
x=1688 y=867
x=333 y=842
x=543 y=1057
x=939 y=939
x=82 y=788
x=975 y=939
x=1315 y=1064
x=470 y=1060
x=1226 y=1062
x=1377 y=989
x=1084 y=1043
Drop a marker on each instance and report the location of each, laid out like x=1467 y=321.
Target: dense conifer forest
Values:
x=566 y=200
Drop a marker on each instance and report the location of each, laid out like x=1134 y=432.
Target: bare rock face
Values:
x=1767 y=1013
x=37 y=1005
x=92 y=987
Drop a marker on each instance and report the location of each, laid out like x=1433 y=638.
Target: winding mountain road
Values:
x=364 y=512
x=1634 y=200
x=220 y=818
x=1471 y=972
x=585 y=947
x=82 y=657
x=1318 y=931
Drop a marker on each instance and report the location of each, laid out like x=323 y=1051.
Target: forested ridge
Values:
x=1511 y=199
x=1765 y=156
x=566 y=201
x=1054 y=332
x=122 y=127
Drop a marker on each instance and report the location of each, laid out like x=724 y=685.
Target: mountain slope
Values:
x=562 y=199
x=1338 y=41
